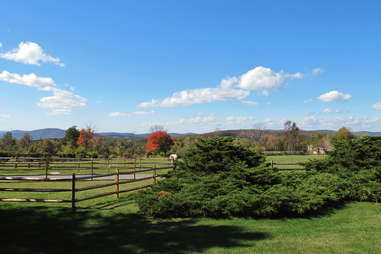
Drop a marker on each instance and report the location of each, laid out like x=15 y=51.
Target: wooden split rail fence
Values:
x=52 y=166
x=286 y=166
x=116 y=178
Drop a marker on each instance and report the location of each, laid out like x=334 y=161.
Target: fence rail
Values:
x=116 y=177
x=275 y=164
x=50 y=165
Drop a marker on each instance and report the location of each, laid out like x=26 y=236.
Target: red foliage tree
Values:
x=159 y=141
x=85 y=137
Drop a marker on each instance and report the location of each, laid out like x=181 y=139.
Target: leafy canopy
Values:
x=71 y=136
x=159 y=141
x=85 y=138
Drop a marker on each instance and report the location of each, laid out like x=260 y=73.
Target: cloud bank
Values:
x=260 y=79
x=30 y=53
x=333 y=96
x=61 y=102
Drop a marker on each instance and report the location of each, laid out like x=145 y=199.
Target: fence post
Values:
x=73 y=191
x=92 y=168
x=117 y=182
x=272 y=164
x=135 y=169
x=78 y=165
x=154 y=175
x=46 y=167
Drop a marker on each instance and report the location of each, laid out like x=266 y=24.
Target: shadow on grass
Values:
x=44 y=230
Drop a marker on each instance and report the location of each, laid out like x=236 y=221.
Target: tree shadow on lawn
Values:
x=53 y=230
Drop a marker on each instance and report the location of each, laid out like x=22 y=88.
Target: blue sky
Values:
x=192 y=66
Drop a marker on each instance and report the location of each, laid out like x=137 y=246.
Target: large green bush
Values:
x=359 y=162
x=218 y=154
x=219 y=179
x=353 y=155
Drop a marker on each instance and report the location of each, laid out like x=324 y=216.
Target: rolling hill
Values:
x=60 y=133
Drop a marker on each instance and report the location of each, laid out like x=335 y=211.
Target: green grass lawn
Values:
x=295 y=159
x=116 y=227
x=111 y=225
x=100 y=167
x=75 y=169
x=65 y=195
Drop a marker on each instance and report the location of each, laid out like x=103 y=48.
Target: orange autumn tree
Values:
x=159 y=142
x=85 y=137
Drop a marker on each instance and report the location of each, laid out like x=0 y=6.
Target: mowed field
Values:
x=117 y=227
x=84 y=167
x=111 y=225
x=292 y=159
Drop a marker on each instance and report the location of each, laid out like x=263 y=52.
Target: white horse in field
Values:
x=173 y=158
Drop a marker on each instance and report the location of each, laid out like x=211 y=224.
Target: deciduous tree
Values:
x=343 y=134
x=71 y=136
x=7 y=142
x=159 y=142
x=292 y=135
x=25 y=141
x=85 y=138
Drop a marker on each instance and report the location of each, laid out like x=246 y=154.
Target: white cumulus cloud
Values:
x=233 y=88
x=198 y=96
x=264 y=79
x=377 y=106
x=42 y=83
x=30 y=53
x=334 y=96
x=61 y=102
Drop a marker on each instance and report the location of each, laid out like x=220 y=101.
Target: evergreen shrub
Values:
x=218 y=179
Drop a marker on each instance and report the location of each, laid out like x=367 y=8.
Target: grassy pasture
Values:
x=67 y=185
x=100 y=167
x=116 y=227
x=79 y=168
x=65 y=195
x=109 y=225
x=294 y=159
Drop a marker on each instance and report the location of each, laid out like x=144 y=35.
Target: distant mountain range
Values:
x=39 y=134
x=59 y=133
x=252 y=132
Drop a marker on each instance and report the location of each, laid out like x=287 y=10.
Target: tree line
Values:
x=86 y=143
